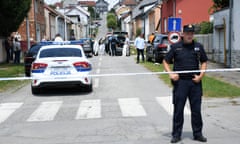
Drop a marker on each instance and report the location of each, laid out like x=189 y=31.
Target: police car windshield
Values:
x=60 y=52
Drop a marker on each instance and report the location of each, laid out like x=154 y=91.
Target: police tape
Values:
x=134 y=74
x=164 y=72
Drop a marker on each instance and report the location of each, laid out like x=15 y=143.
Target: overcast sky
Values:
x=111 y=2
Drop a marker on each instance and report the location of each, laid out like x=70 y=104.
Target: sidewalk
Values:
x=229 y=77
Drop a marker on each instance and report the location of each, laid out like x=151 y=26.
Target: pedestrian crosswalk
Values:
x=164 y=102
x=89 y=109
x=131 y=107
x=7 y=109
x=46 y=111
x=86 y=109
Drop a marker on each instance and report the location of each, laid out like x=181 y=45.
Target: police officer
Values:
x=187 y=55
x=113 y=42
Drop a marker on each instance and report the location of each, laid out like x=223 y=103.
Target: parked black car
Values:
x=120 y=36
x=30 y=57
x=158 y=49
x=87 y=45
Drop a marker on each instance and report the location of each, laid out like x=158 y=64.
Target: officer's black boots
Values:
x=175 y=139
x=200 y=138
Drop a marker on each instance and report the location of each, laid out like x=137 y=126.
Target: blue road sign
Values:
x=174 y=24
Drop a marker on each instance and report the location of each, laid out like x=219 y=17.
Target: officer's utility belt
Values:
x=188 y=75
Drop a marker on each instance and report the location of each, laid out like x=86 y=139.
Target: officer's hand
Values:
x=174 y=77
x=197 y=78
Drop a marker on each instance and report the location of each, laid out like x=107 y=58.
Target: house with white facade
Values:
x=226 y=35
x=235 y=38
x=79 y=16
x=55 y=23
x=144 y=17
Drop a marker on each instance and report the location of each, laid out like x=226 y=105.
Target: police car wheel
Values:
x=27 y=74
x=88 y=88
x=154 y=58
x=35 y=90
x=148 y=58
x=159 y=60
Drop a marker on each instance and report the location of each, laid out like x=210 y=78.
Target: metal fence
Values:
x=207 y=41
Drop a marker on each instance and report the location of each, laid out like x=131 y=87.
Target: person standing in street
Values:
x=151 y=37
x=102 y=46
x=11 y=48
x=17 y=50
x=58 y=38
x=113 y=41
x=139 y=44
x=126 y=51
x=7 y=44
x=187 y=55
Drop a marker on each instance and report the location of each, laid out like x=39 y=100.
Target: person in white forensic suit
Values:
x=95 y=47
x=102 y=46
x=125 y=51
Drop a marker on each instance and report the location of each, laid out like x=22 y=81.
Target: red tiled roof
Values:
x=129 y=2
x=59 y=4
x=87 y=3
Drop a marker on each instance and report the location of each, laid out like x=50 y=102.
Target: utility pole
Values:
x=28 y=34
x=230 y=33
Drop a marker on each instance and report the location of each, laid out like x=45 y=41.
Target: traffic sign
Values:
x=174 y=24
x=174 y=37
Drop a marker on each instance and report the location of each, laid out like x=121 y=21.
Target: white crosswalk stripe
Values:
x=96 y=83
x=46 y=111
x=89 y=109
x=7 y=109
x=131 y=107
x=166 y=103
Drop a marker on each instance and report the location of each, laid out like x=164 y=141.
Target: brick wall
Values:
x=34 y=19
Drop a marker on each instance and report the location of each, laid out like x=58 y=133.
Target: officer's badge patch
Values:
x=196 y=49
x=179 y=49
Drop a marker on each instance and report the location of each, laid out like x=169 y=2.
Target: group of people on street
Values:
x=13 y=49
x=109 y=45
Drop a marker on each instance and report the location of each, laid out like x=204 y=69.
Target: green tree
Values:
x=221 y=3
x=138 y=31
x=218 y=5
x=12 y=14
x=92 y=12
x=206 y=27
x=112 y=23
x=111 y=16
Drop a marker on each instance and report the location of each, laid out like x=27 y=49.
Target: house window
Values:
x=36 y=6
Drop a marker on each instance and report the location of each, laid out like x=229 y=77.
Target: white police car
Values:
x=61 y=66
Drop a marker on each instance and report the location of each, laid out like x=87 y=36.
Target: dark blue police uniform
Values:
x=186 y=57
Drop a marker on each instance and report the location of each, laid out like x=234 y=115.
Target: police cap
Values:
x=188 y=28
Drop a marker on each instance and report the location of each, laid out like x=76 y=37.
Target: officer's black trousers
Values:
x=182 y=90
